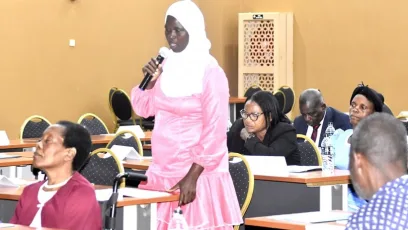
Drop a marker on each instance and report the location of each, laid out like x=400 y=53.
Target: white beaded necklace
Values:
x=46 y=185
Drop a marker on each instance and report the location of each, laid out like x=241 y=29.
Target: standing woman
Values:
x=189 y=98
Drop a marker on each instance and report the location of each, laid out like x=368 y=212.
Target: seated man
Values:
x=66 y=200
x=315 y=116
x=378 y=167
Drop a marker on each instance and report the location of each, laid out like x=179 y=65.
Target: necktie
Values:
x=314 y=133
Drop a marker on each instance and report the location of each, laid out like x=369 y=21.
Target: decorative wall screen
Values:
x=265 y=50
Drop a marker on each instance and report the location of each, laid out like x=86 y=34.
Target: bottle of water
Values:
x=178 y=222
x=328 y=151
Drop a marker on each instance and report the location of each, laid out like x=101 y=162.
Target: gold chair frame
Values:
x=94 y=116
x=294 y=95
x=115 y=120
x=118 y=162
x=33 y=117
x=250 y=185
x=139 y=143
x=316 y=149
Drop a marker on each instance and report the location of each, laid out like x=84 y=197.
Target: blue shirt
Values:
x=388 y=209
x=341 y=161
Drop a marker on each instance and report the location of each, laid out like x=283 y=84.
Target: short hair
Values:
x=270 y=108
x=78 y=137
x=381 y=138
x=313 y=96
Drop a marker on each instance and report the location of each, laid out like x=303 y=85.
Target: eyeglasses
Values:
x=252 y=116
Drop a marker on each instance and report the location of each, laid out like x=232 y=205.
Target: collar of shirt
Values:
x=392 y=185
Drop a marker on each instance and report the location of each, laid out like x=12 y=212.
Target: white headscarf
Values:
x=183 y=72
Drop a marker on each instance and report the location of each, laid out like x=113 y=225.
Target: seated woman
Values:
x=363 y=102
x=264 y=130
x=66 y=200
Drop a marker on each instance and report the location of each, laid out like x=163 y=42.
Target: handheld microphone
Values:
x=148 y=77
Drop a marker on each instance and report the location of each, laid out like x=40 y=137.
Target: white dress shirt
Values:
x=319 y=131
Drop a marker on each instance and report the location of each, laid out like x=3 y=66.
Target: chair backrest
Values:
x=93 y=124
x=280 y=97
x=289 y=98
x=309 y=153
x=102 y=171
x=243 y=180
x=34 y=127
x=111 y=91
x=127 y=138
x=387 y=109
x=251 y=90
x=121 y=105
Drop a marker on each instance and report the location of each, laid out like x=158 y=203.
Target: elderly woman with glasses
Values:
x=264 y=130
x=66 y=200
x=364 y=101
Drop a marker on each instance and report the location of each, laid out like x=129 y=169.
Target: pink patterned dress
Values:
x=191 y=130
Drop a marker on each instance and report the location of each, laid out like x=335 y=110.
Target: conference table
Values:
x=132 y=213
x=291 y=193
x=18 y=145
x=104 y=139
x=291 y=222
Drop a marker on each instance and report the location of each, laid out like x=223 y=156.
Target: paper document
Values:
x=267 y=165
x=324 y=227
x=7 y=183
x=299 y=169
x=105 y=194
x=342 y=222
x=127 y=152
x=313 y=217
x=136 y=129
x=4 y=138
x=142 y=193
x=5 y=156
x=6 y=225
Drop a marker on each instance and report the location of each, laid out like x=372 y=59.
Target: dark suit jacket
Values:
x=339 y=119
x=279 y=141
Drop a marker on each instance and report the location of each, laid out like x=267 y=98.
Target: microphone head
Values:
x=164 y=52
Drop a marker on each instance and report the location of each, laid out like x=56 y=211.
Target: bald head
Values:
x=312 y=106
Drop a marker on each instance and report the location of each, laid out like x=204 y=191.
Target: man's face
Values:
x=359 y=174
x=312 y=114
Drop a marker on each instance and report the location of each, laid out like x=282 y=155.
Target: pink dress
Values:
x=191 y=130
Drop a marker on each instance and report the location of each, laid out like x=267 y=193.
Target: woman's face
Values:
x=360 y=108
x=176 y=35
x=253 y=117
x=50 y=151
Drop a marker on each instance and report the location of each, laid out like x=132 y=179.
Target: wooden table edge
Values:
x=236 y=100
x=276 y=224
x=313 y=182
x=23 y=162
x=319 y=184
x=128 y=201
